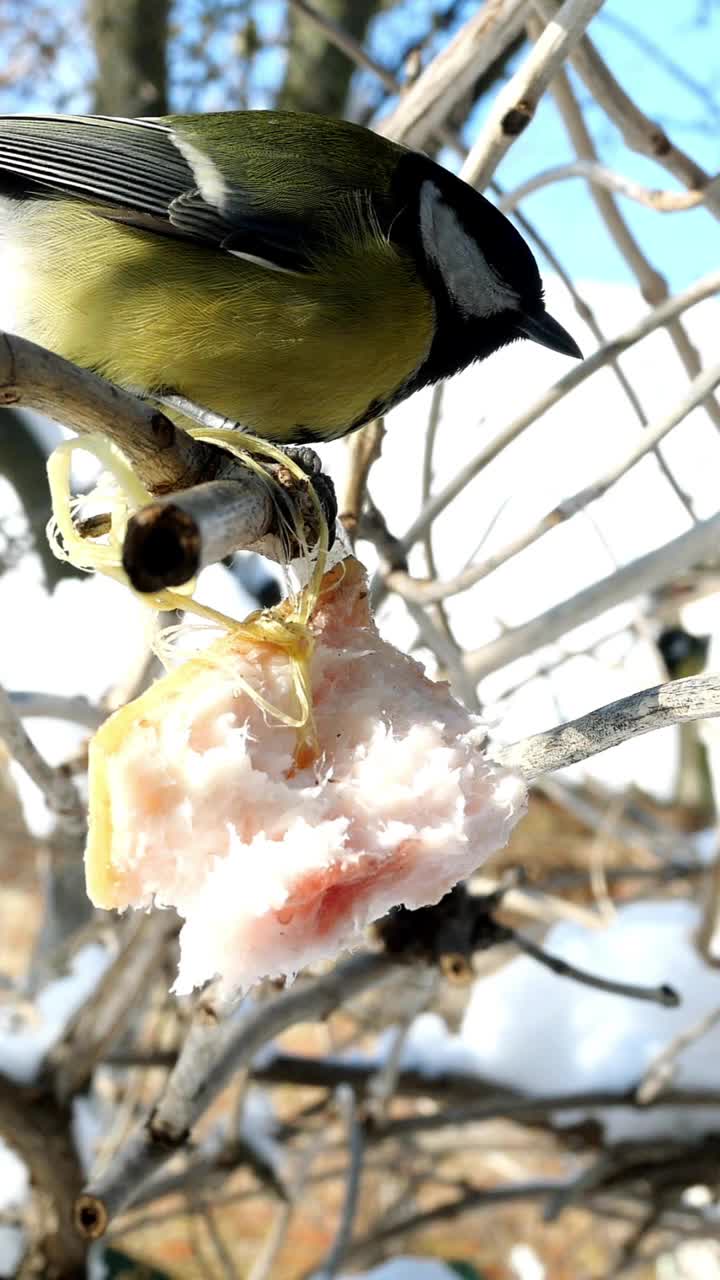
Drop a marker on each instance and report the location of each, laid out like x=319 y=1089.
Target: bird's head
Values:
x=482 y=274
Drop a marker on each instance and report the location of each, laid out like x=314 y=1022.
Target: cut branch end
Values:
x=90 y=1217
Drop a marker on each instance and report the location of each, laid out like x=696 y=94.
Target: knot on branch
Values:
x=90 y=1217
x=517 y=119
x=447 y=934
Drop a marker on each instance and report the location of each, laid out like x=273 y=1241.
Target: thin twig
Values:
x=213 y=1051
x=677 y=702
x=363 y=449
x=639 y=132
x=653 y=285
x=641 y=575
x=263 y=1265
x=661 y=1070
x=346 y=43
x=429 y=591
x=655 y=319
x=539 y=1109
x=103 y=1017
x=346 y=1103
x=57 y=706
x=56 y=785
x=663 y=995
x=600 y=176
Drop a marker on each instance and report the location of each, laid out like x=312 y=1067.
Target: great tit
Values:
x=297 y=274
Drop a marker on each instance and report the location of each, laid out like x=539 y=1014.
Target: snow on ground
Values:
x=12 y=1248
x=530 y=1029
x=14 y=1178
x=22 y=1050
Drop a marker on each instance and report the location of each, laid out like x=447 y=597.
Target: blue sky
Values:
x=681 y=245
x=677 y=82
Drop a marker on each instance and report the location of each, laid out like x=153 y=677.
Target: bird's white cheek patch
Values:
x=472 y=282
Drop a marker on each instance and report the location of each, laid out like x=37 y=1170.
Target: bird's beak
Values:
x=543 y=329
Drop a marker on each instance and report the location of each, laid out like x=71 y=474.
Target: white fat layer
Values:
x=272 y=870
x=210 y=180
x=473 y=283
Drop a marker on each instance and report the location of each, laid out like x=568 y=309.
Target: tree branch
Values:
x=40 y=1131
x=164 y=456
x=57 y=706
x=660 y=315
x=664 y=995
x=346 y=1102
x=639 y=132
x=169 y=541
x=596 y=173
x=430 y=590
x=103 y=1017
x=515 y=104
x=653 y=285
x=180 y=535
x=677 y=702
x=56 y=785
x=212 y=1052
x=431 y=99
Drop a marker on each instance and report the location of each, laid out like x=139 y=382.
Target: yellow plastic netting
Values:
x=285 y=627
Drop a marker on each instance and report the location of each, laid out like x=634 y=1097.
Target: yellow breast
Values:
x=276 y=352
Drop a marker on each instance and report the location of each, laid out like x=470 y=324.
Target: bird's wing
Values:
x=268 y=185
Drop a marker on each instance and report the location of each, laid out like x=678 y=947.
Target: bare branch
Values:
x=452 y=73
x=514 y=106
x=639 y=132
x=653 y=285
x=644 y=574
x=102 y=1019
x=364 y=448
x=540 y=1108
x=178 y=537
x=57 y=786
x=430 y=591
x=346 y=43
x=661 y=1070
x=663 y=995
x=328 y=1073
x=592 y=171
x=164 y=455
x=40 y=1131
x=213 y=1051
x=57 y=706
x=346 y=1102
x=677 y=702
x=701 y=289
x=169 y=541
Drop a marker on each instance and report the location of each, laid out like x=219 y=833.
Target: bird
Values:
x=296 y=274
